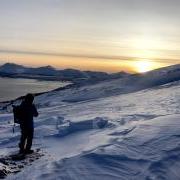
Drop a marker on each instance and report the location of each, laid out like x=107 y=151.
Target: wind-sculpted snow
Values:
x=73 y=127
x=149 y=151
x=120 y=137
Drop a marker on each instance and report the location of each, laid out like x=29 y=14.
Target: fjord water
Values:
x=11 y=88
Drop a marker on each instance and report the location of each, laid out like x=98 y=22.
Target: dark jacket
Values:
x=28 y=111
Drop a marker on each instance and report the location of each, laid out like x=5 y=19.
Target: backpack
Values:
x=17 y=112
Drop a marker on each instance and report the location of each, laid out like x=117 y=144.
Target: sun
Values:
x=144 y=66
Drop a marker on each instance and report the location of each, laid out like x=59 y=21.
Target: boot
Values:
x=28 y=151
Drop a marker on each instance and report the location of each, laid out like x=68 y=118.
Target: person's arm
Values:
x=35 y=112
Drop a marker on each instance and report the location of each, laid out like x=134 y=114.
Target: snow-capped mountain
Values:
x=11 y=68
x=77 y=76
x=120 y=129
x=46 y=70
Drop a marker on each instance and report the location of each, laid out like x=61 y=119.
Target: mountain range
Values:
x=51 y=73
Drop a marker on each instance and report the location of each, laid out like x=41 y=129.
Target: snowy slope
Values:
x=114 y=87
x=122 y=136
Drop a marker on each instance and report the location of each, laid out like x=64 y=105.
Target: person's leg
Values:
x=29 y=139
x=22 y=140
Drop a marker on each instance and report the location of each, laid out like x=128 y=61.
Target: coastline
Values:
x=5 y=104
x=35 y=77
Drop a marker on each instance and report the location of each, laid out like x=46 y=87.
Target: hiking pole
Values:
x=14 y=128
x=14 y=118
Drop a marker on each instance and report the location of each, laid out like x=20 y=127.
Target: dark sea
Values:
x=11 y=88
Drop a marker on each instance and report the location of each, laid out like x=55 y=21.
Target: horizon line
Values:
x=58 y=69
x=131 y=73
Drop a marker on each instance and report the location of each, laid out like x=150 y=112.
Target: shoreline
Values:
x=5 y=104
x=36 y=77
x=10 y=101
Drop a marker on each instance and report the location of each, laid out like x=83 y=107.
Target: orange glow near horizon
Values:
x=112 y=36
x=93 y=64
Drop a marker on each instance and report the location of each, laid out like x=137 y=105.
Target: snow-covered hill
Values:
x=115 y=87
x=109 y=134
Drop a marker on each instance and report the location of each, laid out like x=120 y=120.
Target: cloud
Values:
x=89 y=56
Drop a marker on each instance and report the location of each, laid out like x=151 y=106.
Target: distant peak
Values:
x=47 y=67
x=10 y=64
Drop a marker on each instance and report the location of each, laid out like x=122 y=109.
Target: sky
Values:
x=103 y=35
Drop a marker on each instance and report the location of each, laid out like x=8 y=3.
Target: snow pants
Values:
x=26 y=138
